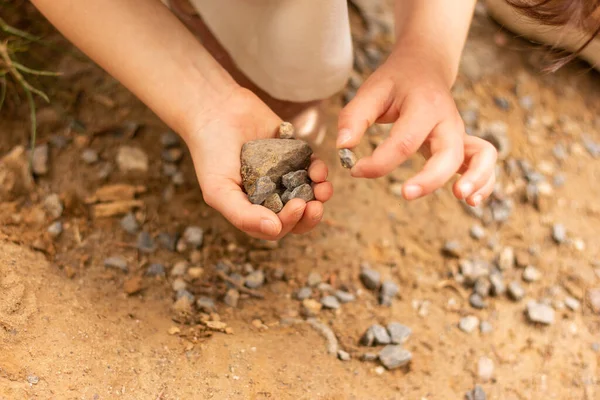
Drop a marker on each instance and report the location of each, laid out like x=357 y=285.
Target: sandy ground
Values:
x=69 y=330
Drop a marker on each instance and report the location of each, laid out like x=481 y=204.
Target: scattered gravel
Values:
x=476 y=301
x=389 y=290
x=167 y=241
x=394 y=356
x=314 y=278
x=572 y=303
x=232 y=298
x=55 y=229
x=330 y=302
x=559 y=233
x=375 y=335
x=194 y=236
x=370 y=278
x=53 y=206
x=476 y=394
x=132 y=160
x=39 y=162
x=344 y=297
x=398 y=333
x=311 y=307
x=116 y=262
x=531 y=274
x=506 y=259
x=206 y=304
x=145 y=244
x=468 y=324
x=482 y=287
x=498 y=287
x=541 y=313
x=89 y=156
x=477 y=232
x=369 y=357
x=343 y=356
x=33 y=379
x=515 y=291
x=255 y=280
x=304 y=293
x=485 y=369
x=452 y=249
x=129 y=224
x=155 y=270
x=184 y=293
x=178 y=284
x=179 y=269
x=485 y=327
x=169 y=139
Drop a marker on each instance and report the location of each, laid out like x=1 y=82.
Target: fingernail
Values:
x=344 y=136
x=477 y=199
x=268 y=227
x=412 y=191
x=466 y=189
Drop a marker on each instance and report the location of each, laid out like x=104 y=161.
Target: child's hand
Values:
x=412 y=91
x=215 y=146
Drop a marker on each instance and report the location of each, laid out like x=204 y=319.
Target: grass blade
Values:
x=25 y=69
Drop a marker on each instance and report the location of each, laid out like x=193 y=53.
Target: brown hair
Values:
x=582 y=14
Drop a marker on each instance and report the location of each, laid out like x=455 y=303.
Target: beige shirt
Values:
x=297 y=50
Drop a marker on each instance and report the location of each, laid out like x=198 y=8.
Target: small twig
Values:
x=239 y=286
x=17 y=32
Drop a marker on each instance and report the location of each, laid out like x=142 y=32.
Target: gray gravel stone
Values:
x=314 y=278
x=155 y=269
x=129 y=224
x=394 y=356
x=116 y=262
x=53 y=206
x=172 y=155
x=485 y=327
x=180 y=268
x=389 y=290
x=468 y=324
x=89 y=156
x=370 y=278
x=572 y=303
x=399 y=333
x=132 y=160
x=169 y=169
x=498 y=286
x=473 y=270
x=343 y=356
x=232 y=298
x=184 y=293
x=294 y=179
x=39 y=163
x=476 y=301
x=476 y=394
x=369 y=357
x=506 y=259
x=255 y=280
x=286 y=196
x=194 y=236
x=515 y=291
x=344 y=297
x=145 y=243
x=541 y=313
x=485 y=369
x=167 y=241
x=330 y=302
x=273 y=203
x=347 y=158
x=482 y=287
x=559 y=233
x=33 y=379
x=452 y=248
x=206 y=304
x=304 y=293
x=303 y=192
x=531 y=274
x=375 y=335
x=169 y=139
x=262 y=189
x=178 y=284
x=477 y=232
x=55 y=229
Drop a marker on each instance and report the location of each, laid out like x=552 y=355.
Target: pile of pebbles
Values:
x=274 y=171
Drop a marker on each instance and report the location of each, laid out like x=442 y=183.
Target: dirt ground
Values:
x=69 y=330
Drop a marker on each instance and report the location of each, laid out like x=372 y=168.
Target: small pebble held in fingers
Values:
x=347 y=158
x=286 y=130
x=262 y=189
x=303 y=192
x=273 y=203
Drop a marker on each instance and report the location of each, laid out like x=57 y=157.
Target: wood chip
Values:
x=116 y=192
x=115 y=208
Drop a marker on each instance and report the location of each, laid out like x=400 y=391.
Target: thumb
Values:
x=364 y=109
x=226 y=197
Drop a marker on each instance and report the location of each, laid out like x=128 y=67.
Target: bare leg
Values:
x=307 y=117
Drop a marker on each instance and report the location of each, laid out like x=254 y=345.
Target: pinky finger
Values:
x=476 y=198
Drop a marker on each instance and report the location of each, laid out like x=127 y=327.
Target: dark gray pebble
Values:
x=206 y=304
x=347 y=158
x=394 y=356
x=145 y=244
x=294 y=179
x=399 y=333
x=303 y=192
x=344 y=297
x=330 y=302
x=476 y=301
x=129 y=224
x=155 y=269
x=273 y=203
x=370 y=278
x=262 y=189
